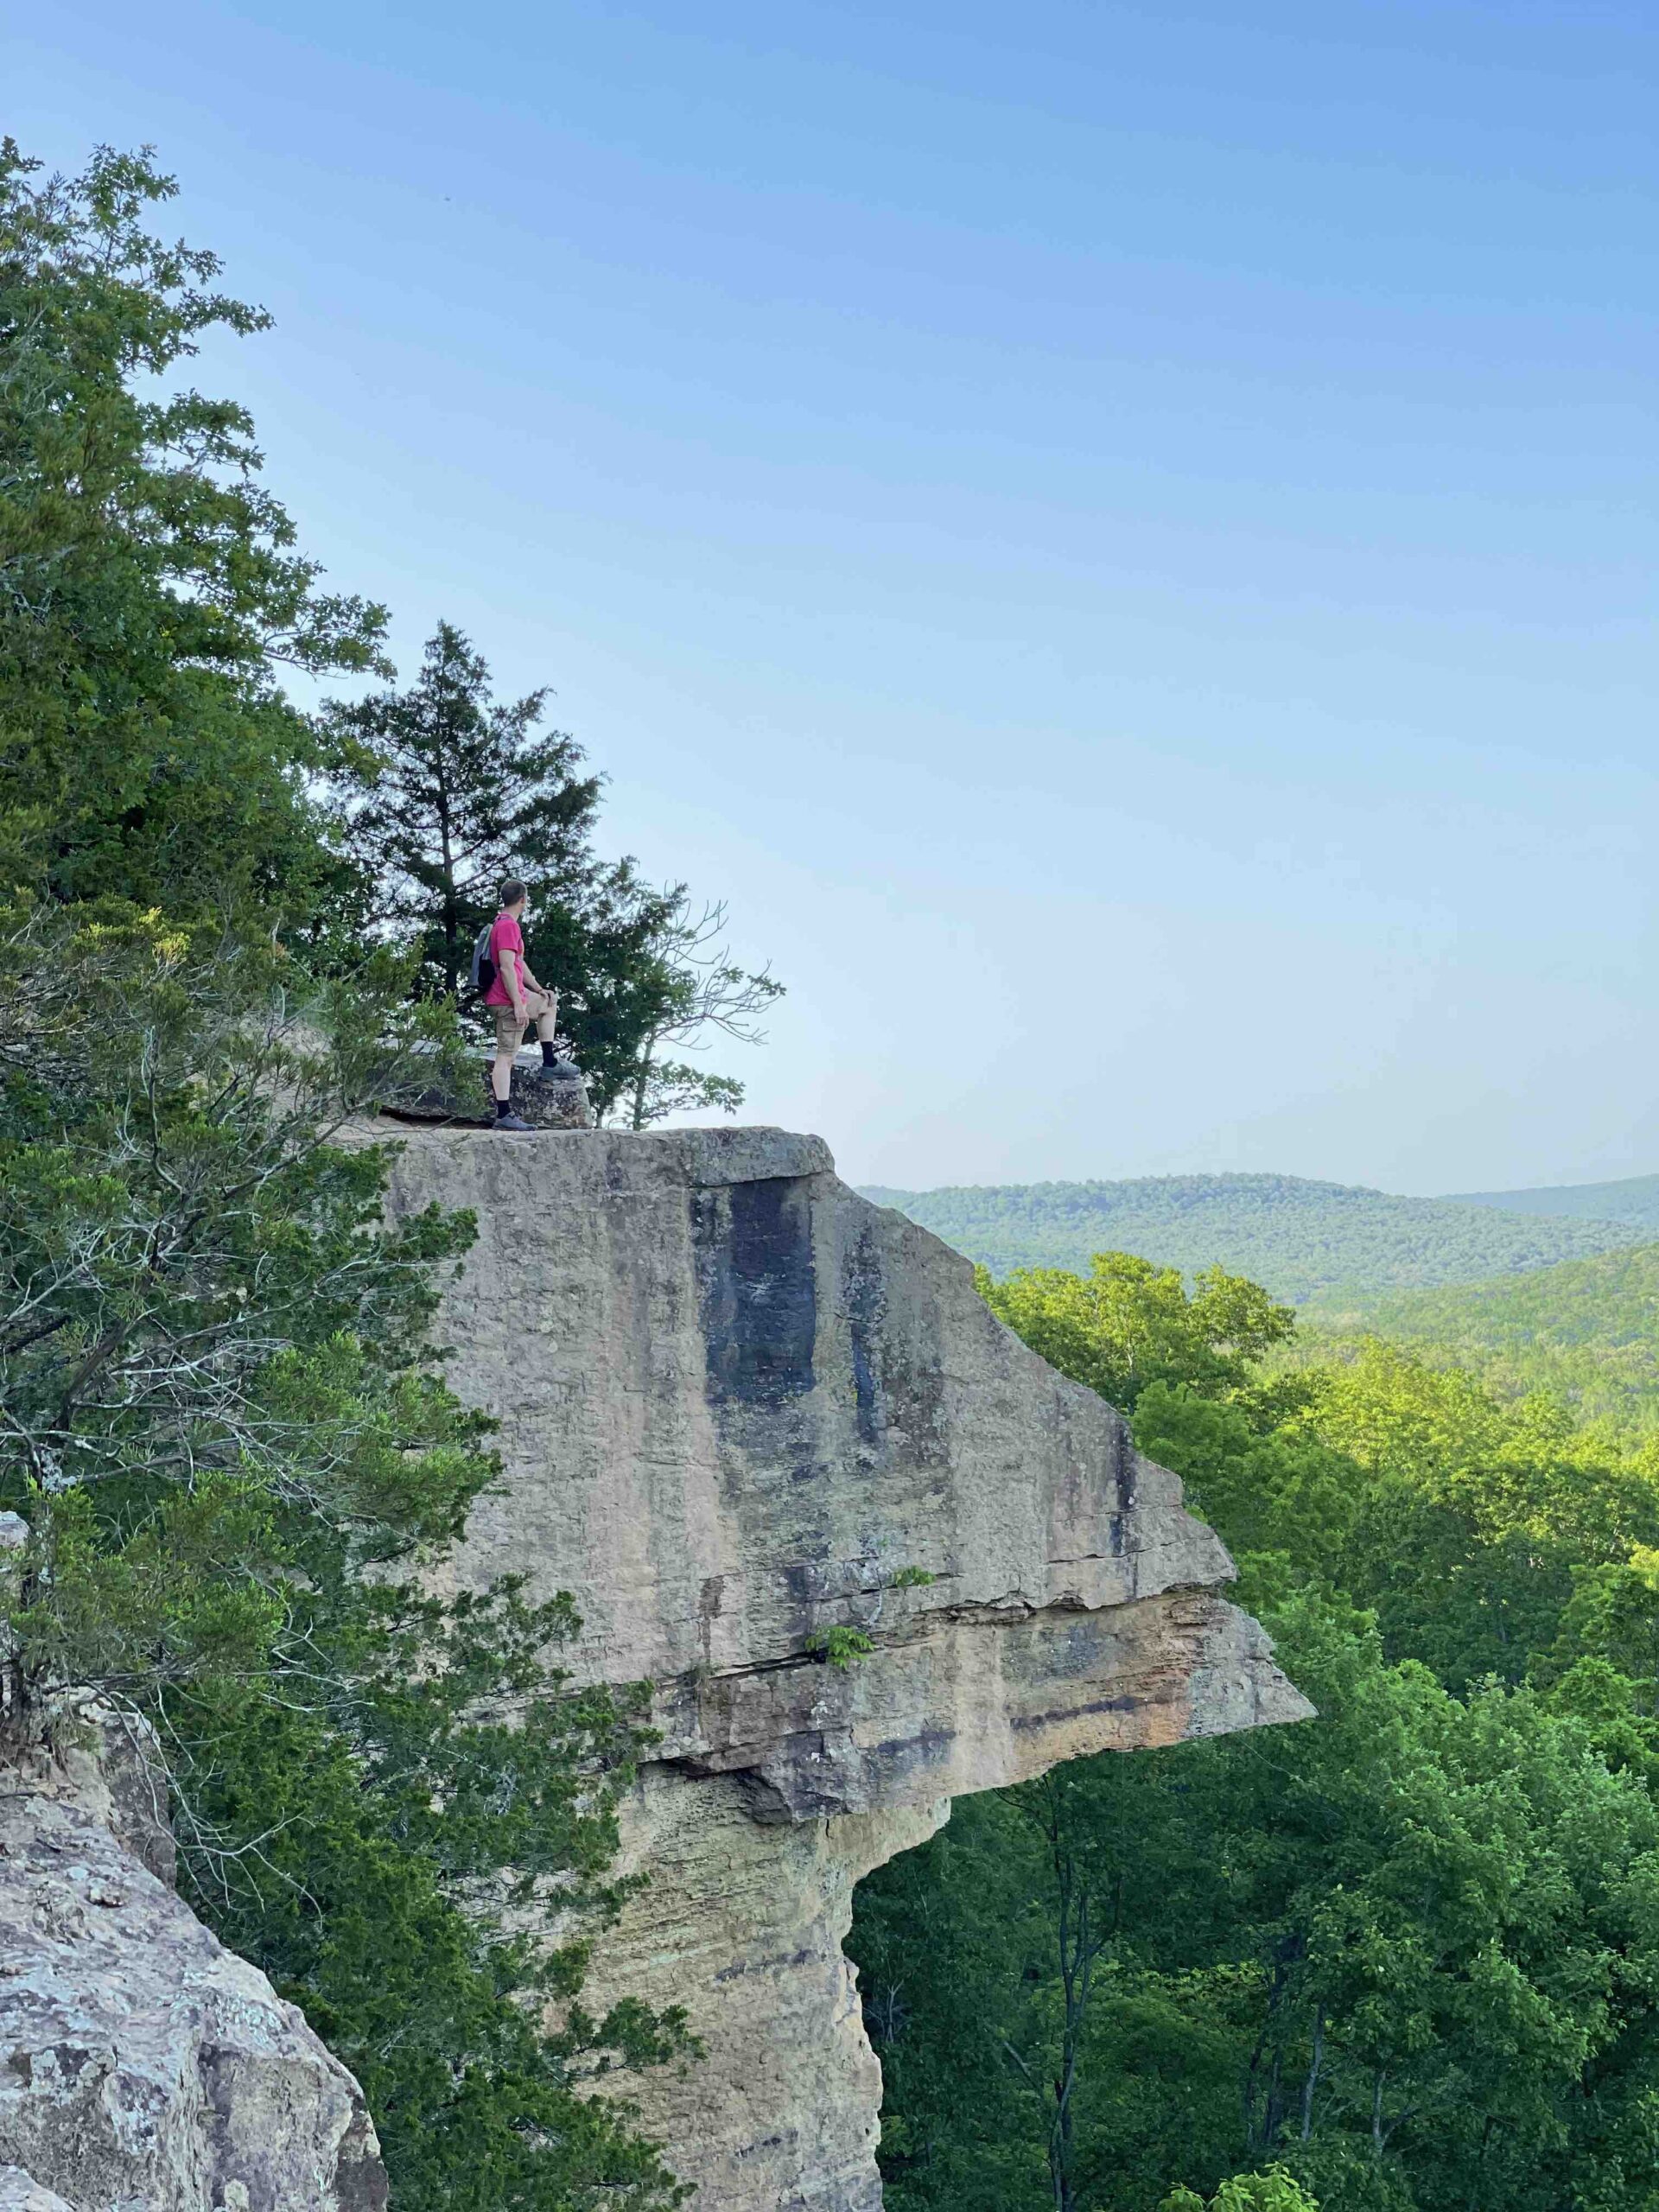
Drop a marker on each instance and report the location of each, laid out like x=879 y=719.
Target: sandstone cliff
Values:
x=143 y=2068
x=738 y=1403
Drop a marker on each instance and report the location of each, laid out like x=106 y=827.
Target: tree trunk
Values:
x=1311 y=2082
x=451 y=889
x=1079 y=1948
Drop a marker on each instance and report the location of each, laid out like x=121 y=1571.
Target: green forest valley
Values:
x=1403 y=1957
x=1306 y=1242
x=1555 y=1290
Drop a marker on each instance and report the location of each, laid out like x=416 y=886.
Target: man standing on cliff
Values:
x=516 y=999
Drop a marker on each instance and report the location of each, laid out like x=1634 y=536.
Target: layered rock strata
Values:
x=143 y=2067
x=742 y=1409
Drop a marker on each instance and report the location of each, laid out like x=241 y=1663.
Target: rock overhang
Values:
x=742 y=1407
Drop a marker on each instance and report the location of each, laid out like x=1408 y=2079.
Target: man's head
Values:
x=514 y=896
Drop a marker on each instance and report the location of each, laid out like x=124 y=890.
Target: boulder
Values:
x=143 y=2067
x=19 y=2192
x=551 y=1098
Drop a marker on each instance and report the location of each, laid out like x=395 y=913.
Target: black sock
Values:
x=503 y=1106
x=549 y=1054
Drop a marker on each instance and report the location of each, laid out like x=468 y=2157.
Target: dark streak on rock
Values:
x=763 y=1966
x=1020 y=1720
x=862 y=1290
x=759 y=1290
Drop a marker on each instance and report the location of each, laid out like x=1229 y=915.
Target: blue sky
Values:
x=1122 y=539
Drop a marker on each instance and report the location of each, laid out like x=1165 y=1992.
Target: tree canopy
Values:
x=1399 y=1957
x=150 y=587
x=1303 y=1241
x=1127 y=1325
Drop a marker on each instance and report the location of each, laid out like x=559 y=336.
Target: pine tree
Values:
x=450 y=792
x=447 y=793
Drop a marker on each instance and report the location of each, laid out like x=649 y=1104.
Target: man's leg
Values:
x=544 y=1009
x=509 y=1035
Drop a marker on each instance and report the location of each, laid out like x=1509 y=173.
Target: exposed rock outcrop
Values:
x=554 y=1098
x=738 y=1403
x=19 y=2194
x=143 y=2067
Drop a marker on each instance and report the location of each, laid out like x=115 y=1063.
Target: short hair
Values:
x=512 y=891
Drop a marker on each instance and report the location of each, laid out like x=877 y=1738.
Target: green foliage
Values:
x=213 y=1342
x=1295 y=1237
x=1401 y=1957
x=1273 y=2191
x=151 y=590
x=1417 y=1929
x=1633 y=1200
x=224 y=1425
x=1461 y=1523
x=1584 y=1331
x=839 y=1646
x=347 y=1849
x=912 y=1578
x=1127 y=1325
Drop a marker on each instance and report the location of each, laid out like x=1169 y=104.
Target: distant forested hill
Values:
x=1588 y=1330
x=1298 y=1237
x=1635 y=1202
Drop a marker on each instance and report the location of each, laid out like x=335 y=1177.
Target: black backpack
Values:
x=483 y=966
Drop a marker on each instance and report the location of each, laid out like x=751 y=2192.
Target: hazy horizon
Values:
x=1121 y=540
x=873 y=1183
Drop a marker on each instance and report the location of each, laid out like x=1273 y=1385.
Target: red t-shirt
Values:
x=505 y=937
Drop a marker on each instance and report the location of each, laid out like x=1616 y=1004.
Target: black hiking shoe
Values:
x=511 y=1121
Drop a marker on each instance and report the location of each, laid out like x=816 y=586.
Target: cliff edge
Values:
x=743 y=1408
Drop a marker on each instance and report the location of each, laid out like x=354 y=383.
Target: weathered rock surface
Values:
x=143 y=2067
x=19 y=2194
x=548 y=1099
x=738 y=1402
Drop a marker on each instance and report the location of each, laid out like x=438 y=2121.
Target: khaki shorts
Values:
x=509 y=1030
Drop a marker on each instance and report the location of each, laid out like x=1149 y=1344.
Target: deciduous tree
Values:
x=701 y=995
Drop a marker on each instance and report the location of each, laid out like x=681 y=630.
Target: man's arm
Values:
x=513 y=965
x=535 y=983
